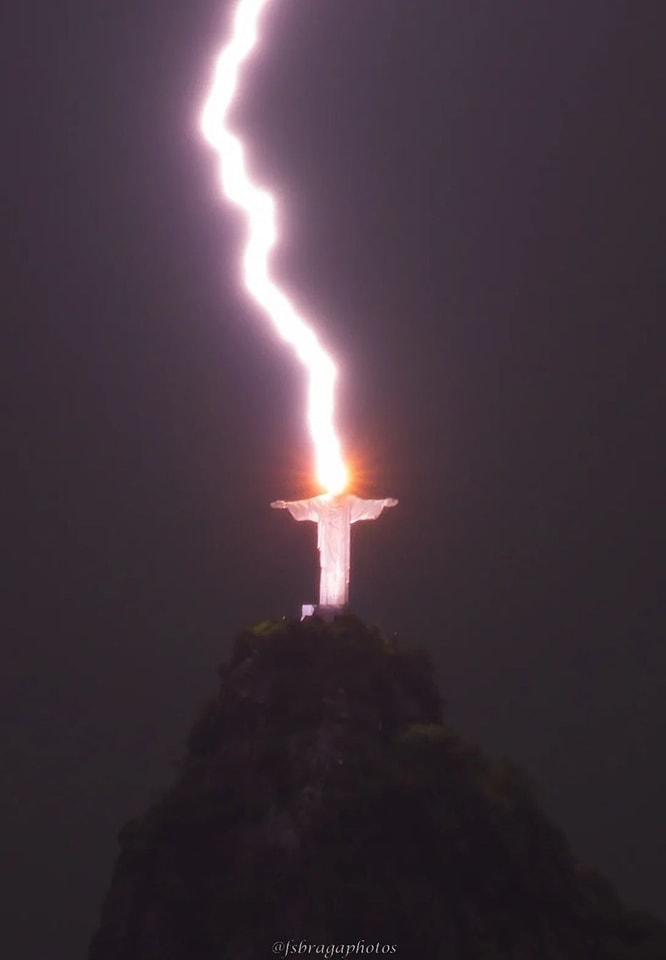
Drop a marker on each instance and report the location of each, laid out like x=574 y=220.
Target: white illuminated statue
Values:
x=334 y=514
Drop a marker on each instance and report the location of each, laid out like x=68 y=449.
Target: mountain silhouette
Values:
x=325 y=806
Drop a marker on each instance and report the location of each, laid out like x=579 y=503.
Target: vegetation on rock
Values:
x=324 y=798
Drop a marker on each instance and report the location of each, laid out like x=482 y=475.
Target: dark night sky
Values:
x=472 y=210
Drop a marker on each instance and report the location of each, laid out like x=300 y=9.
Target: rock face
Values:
x=324 y=801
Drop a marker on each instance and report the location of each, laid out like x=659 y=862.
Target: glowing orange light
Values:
x=259 y=208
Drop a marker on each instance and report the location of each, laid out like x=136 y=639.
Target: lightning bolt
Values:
x=259 y=209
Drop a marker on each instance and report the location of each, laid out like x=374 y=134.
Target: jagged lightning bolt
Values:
x=259 y=208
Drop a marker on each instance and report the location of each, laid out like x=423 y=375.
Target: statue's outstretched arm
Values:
x=369 y=509
x=299 y=509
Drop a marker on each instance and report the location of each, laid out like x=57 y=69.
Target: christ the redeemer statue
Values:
x=334 y=515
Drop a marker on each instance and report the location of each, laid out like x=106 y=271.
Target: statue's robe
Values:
x=334 y=516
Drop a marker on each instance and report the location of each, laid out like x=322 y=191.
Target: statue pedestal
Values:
x=327 y=613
